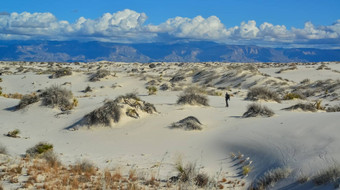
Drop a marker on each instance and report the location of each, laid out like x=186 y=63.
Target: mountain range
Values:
x=199 y=51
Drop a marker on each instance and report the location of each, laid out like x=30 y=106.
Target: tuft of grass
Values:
x=270 y=178
x=84 y=166
x=51 y=158
x=291 y=96
x=61 y=72
x=193 y=99
x=254 y=110
x=99 y=75
x=261 y=93
x=152 y=90
x=27 y=100
x=13 y=133
x=55 y=96
x=302 y=106
x=246 y=170
x=188 y=123
x=331 y=174
x=39 y=149
x=105 y=115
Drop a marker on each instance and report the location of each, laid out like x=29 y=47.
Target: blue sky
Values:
x=279 y=23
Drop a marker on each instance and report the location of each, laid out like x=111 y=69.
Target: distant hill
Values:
x=70 y=51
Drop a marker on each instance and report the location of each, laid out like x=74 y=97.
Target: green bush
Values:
x=39 y=149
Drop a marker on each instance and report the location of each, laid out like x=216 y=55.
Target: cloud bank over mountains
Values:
x=129 y=26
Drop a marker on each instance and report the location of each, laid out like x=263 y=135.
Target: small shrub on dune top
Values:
x=39 y=149
x=255 y=110
x=270 y=178
x=99 y=75
x=105 y=115
x=261 y=93
x=56 y=96
x=188 y=123
x=193 y=96
x=27 y=100
x=61 y=72
x=328 y=175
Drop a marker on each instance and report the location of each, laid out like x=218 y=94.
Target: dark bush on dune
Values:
x=27 y=100
x=255 y=110
x=193 y=99
x=188 y=123
x=99 y=75
x=261 y=93
x=105 y=115
x=55 y=96
x=61 y=72
x=302 y=106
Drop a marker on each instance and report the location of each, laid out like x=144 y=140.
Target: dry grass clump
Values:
x=190 y=175
x=111 y=111
x=61 y=72
x=14 y=96
x=188 y=123
x=99 y=75
x=39 y=149
x=13 y=134
x=331 y=174
x=27 y=100
x=292 y=95
x=193 y=96
x=261 y=93
x=105 y=115
x=84 y=166
x=254 y=110
x=55 y=96
x=303 y=106
x=335 y=108
x=270 y=178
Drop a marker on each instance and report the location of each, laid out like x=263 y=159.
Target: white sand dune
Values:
x=306 y=142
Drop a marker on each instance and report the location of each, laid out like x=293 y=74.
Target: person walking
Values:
x=227 y=97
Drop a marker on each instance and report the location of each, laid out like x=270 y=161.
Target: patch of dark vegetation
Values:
x=55 y=96
x=177 y=78
x=188 y=123
x=99 y=75
x=61 y=72
x=261 y=93
x=27 y=100
x=329 y=175
x=335 y=108
x=39 y=149
x=193 y=99
x=105 y=115
x=255 y=110
x=303 y=106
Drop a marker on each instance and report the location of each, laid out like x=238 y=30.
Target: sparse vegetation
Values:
x=152 y=90
x=335 y=108
x=61 y=72
x=261 y=93
x=246 y=170
x=105 y=115
x=254 y=110
x=193 y=99
x=27 y=100
x=55 y=96
x=329 y=175
x=291 y=96
x=14 y=133
x=188 y=123
x=99 y=75
x=39 y=149
x=303 y=106
x=87 y=89
x=270 y=178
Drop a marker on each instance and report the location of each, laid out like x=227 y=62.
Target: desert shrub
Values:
x=27 y=100
x=51 y=158
x=331 y=174
x=254 y=110
x=261 y=93
x=291 y=96
x=164 y=87
x=61 y=72
x=39 y=149
x=105 y=115
x=149 y=108
x=335 y=108
x=87 y=89
x=302 y=106
x=3 y=149
x=270 y=178
x=195 y=90
x=152 y=65
x=193 y=99
x=177 y=78
x=201 y=180
x=121 y=98
x=188 y=123
x=13 y=133
x=189 y=174
x=152 y=90
x=55 y=96
x=99 y=75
